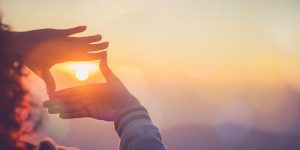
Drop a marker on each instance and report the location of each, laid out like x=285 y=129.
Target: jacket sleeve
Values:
x=137 y=131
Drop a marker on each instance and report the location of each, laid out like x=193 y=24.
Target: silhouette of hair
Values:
x=15 y=107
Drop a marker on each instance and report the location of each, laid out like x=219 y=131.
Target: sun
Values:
x=82 y=75
x=83 y=70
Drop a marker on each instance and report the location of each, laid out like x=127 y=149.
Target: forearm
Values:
x=137 y=131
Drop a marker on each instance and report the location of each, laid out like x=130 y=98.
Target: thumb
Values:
x=49 y=81
x=106 y=71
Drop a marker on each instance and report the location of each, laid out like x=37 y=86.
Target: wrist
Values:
x=18 y=41
x=22 y=47
x=11 y=42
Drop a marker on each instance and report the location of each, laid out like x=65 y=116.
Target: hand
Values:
x=41 y=49
x=101 y=101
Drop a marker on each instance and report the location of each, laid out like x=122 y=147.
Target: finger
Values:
x=71 y=31
x=66 y=109
x=59 y=102
x=88 y=56
x=97 y=47
x=78 y=94
x=59 y=95
x=106 y=71
x=81 y=47
x=65 y=95
x=88 y=39
x=49 y=81
x=77 y=114
x=52 y=110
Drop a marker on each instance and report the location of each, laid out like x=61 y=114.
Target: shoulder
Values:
x=49 y=144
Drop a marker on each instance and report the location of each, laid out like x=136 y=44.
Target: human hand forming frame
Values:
x=102 y=101
x=41 y=49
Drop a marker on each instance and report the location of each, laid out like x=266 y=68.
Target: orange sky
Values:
x=184 y=58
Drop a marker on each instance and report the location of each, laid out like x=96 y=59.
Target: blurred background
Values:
x=218 y=74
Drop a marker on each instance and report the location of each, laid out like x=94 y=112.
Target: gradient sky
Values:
x=195 y=62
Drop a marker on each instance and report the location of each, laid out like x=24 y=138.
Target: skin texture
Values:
x=41 y=49
x=101 y=101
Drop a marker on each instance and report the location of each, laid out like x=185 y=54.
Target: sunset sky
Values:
x=190 y=62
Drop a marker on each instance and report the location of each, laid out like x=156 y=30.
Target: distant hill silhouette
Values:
x=194 y=137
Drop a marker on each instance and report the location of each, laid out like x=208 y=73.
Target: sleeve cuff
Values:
x=135 y=113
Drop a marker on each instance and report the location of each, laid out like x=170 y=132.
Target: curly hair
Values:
x=15 y=107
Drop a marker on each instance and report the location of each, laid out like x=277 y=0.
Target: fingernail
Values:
x=98 y=37
x=106 y=43
x=82 y=27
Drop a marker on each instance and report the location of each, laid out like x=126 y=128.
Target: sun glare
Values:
x=83 y=70
x=82 y=75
